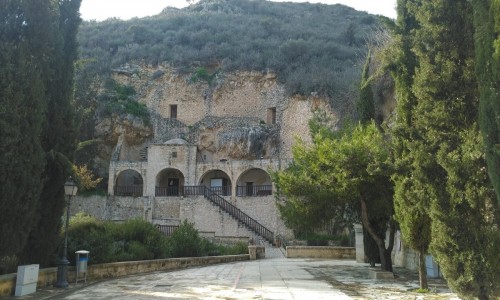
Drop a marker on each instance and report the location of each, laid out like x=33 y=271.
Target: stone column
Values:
x=360 y=251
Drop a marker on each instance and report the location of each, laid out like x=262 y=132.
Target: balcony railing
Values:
x=172 y=191
x=195 y=190
x=254 y=190
x=186 y=191
x=128 y=190
x=221 y=190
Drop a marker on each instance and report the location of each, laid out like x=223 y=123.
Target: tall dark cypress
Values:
x=22 y=113
x=59 y=135
x=487 y=25
x=365 y=105
x=449 y=144
x=412 y=188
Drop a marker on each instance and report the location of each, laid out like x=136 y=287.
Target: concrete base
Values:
x=256 y=252
x=379 y=274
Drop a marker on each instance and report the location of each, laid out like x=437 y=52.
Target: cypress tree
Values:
x=22 y=111
x=365 y=105
x=59 y=134
x=487 y=41
x=449 y=146
x=410 y=197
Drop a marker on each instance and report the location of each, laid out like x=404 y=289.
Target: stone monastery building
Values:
x=210 y=154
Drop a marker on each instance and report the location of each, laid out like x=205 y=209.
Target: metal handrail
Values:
x=239 y=215
x=254 y=190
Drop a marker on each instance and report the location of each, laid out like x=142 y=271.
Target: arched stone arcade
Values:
x=218 y=181
x=129 y=183
x=169 y=182
x=254 y=182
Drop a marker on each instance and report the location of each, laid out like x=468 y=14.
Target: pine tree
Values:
x=342 y=169
x=366 y=114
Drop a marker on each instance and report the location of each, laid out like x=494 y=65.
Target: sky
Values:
x=126 y=9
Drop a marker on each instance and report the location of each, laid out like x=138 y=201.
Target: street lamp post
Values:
x=70 y=190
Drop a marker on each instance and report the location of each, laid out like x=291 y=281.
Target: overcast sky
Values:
x=125 y=9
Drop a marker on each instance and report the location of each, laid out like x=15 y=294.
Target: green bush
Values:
x=315 y=239
x=185 y=241
x=111 y=242
x=90 y=235
x=119 y=99
x=239 y=248
x=138 y=240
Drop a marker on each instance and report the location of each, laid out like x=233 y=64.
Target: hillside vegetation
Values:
x=312 y=47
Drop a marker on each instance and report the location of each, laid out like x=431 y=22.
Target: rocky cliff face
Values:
x=244 y=115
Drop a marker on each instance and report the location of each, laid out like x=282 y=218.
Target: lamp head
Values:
x=70 y=188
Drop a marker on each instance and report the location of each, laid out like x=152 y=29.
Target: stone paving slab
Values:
x=277 y=278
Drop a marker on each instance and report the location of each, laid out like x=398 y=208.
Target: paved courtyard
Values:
x=276 y=278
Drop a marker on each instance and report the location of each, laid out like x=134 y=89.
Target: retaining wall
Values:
x=48 y=276
x=320 y=252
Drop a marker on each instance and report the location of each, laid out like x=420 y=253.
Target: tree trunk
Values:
x=385 y=255
x=422 y=270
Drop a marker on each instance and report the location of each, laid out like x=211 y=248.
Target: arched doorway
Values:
x=254 y=182
x=129 y=183
x=218 y=181
x=169 y=182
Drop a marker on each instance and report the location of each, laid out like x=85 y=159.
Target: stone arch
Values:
x=254 y=182
x=169 y=182
x=217 y=180
x=129 y=183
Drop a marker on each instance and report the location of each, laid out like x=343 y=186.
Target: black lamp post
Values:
x=70 y=190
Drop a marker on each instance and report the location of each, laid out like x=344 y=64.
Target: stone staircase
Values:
x=239 y=216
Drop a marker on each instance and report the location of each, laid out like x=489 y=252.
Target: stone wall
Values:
x=47 y=277
x=111 y=208
x=198 y=210
x=324 y=252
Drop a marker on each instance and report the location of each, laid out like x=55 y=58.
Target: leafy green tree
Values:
x=345 y=169
x=365 y=108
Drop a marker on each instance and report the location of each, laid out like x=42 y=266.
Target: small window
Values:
x=173 y=111
x=271 y=115
x=174 y=154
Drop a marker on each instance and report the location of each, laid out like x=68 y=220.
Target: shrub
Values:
x=185 y=241
x=138 y=240
x=111 y=242
x=239 y=248
x=90 y=235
